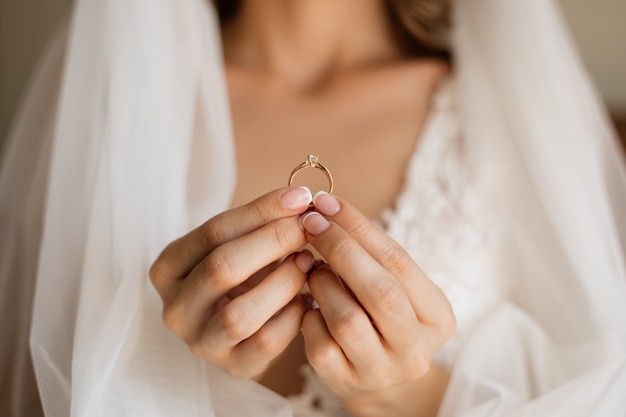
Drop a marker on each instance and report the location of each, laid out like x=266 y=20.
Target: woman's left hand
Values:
x=380 y=319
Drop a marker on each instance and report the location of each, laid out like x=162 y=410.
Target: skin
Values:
x=302 y=80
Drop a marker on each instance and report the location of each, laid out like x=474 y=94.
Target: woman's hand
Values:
x=210 y=300
x=380 y=319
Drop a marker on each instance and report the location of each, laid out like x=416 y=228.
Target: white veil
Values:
x=559 y=346
x=124 y=143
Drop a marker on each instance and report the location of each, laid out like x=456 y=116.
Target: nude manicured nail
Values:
x=326 y=203
x=296 y=198
x=315 y=223
x=305 y=261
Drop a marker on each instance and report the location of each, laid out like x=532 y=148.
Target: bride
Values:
x=469 y=260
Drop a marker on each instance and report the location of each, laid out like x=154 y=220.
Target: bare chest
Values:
x=365 y=141
x=365 y=130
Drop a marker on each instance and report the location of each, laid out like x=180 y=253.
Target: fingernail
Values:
x=296 y=198
x=305 y=261
x=326 y=203
x=314 y=223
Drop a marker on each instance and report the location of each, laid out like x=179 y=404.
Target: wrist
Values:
x=421 y=397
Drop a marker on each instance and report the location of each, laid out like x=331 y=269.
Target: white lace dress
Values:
x=437 y=218
x=100 y=175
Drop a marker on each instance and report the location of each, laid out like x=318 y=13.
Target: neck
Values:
x=305 y=41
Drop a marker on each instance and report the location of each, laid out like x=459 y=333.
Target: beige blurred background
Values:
x=599 y=27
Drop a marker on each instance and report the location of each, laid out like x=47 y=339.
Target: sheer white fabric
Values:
x=135 y=148
x=529 y=115
x=439 y=219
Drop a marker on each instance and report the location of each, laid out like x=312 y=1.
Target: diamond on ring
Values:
x=312 y=161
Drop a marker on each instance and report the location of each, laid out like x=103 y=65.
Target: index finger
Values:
x=376 y=242
x=424 y=295
x=183 y=254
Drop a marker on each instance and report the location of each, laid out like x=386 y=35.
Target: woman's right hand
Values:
x=223 y=292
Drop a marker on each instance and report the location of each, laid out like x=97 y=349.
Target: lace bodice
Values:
x=437 y=219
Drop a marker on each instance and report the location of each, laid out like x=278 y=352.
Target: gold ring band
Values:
x=312 y=161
